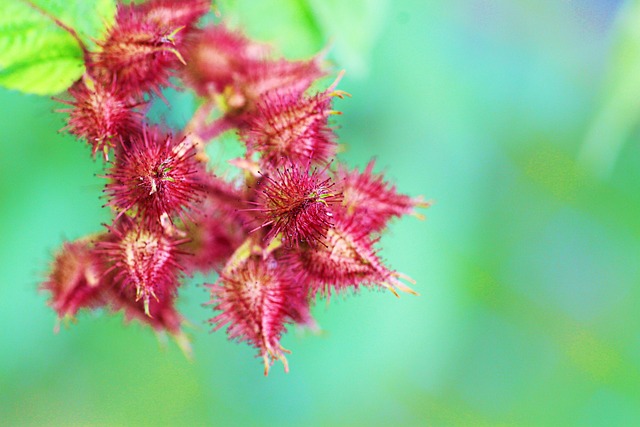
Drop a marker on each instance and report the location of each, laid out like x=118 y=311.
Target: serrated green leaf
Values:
x=89 y=19
x=37 y=55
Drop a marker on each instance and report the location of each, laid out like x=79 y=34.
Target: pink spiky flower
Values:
x=100 y=114
x=252 y=300
x=143 y=259
x=294 y=77
x=172 y=14
x=236 y=72
x=372 y=201
x=346 y=261
x=142 y=49
x=75 y=279
x=154 y=176
x=219 y=58
x=297 y=203
x=290 y=128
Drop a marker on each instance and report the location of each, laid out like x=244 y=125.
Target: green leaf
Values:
x=353 y=26
x=37 y=55
x=288 y=24
x=301 y=28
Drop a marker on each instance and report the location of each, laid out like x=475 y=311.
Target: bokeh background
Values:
x=519 y=118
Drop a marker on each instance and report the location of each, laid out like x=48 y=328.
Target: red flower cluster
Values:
x=293 y=227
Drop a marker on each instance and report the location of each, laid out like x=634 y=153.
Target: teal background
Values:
x=527 y=264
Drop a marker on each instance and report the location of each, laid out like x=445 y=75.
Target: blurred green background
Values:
x=519 y=118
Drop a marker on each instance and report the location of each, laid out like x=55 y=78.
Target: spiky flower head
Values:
x=372 y=201
x=100 y=114
x=142 y=49
x=219 y=58
x=154 y=176
x=294 y=77
x=288 y=127
x=346 y=261
x=297 y=202
x=172 y=14
x=143 y=259
x=236 y=72
x=251 y=299
x=75 y=279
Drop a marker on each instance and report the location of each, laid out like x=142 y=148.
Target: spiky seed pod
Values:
x=154 y=177
x=75 y=279
x=371 y=201
x=290 y=128
x=219 y=58
x=251 y=300
x=237 y=72
x=297 y=203
x=241 y=97
x=143 y=259
x=172 y=14
x=348 y=260
x=294 y=77
x=142 y=49
x=100 y=114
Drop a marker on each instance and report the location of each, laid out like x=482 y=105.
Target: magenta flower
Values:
x=346 y=261
x=143 y=48
x=237 y=72
x=251 y=299
x=143 y=259
x=75 y=279
x=154 y=176
x=173 y=14
x=289 y=225
x=289 y=128
x=219 y=59
x=100 y=114
x=371 y=201
x=297 y=203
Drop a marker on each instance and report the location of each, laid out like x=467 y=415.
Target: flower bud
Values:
x=75 y=279
x=251 y=299
x=154 y=177
x=297 y=203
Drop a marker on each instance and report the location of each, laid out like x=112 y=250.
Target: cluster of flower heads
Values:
x=292 y=227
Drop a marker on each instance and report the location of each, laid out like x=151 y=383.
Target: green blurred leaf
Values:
x=301 y=28
x=620 y=106
x=288 y=24
x=352 y=26
x=36 y=54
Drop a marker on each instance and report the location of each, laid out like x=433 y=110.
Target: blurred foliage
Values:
x=301 y=28
x=527 y=264
x=36 y=54
x=617 y=116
